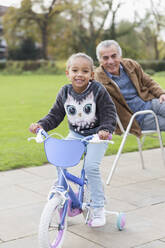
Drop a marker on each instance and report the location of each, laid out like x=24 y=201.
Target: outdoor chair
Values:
x=140 y=141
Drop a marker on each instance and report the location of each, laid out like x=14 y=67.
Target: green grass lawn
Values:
x=25 y=99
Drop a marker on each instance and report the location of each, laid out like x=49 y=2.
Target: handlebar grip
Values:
x=38 y=129
x=42 y=131
x=95 y=139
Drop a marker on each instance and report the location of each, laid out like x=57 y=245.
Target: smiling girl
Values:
x=89 y=110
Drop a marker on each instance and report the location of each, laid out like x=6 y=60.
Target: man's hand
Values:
x=162 y=98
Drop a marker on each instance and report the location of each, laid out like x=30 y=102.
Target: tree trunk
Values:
x=44 y=41
x=156 y=48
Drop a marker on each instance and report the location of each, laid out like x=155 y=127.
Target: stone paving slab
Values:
x=14 y=196
x=154 y=244
x=44 y=172
x=72 y=240
x=19 y=222
x=41 y=188
x=15 y=176
x=143 y=225
x=141 y=194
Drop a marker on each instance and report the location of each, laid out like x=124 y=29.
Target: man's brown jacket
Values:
x=146 y=87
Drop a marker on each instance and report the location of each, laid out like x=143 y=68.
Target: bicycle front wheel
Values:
x=50 y=233
x=86 y=201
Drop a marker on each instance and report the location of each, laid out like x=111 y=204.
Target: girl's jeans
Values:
x=149 y=120
x=94 y=155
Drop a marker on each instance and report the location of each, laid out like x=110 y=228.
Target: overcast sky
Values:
x=10 y=2
x=125 y=12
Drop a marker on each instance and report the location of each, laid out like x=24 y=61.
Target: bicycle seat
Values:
x=63 y=153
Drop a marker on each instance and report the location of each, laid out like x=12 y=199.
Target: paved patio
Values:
x=139 y=193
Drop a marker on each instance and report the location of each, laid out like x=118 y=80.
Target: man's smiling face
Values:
x=110 y=59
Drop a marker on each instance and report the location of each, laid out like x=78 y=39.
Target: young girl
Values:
x=89 y=110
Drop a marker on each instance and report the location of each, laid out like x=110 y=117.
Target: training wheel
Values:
x=121 y=220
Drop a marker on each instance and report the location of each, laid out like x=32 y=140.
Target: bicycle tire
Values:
x=49 y=236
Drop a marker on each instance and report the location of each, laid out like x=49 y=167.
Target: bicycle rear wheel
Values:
x=50 y=234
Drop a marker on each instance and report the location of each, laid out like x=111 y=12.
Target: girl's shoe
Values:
x=98 y=217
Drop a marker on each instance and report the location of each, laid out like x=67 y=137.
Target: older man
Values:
x=131 y=89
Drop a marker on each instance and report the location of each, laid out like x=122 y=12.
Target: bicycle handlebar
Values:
x=94 y=139
x=41 y=133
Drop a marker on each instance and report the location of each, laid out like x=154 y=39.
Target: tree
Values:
x=151 y=28
x=129 y=40
x=26 y=51
x=110 y=32
x=158 y=23
x=40 y=21
x=68 y=26
x=87 y=24
x=98 y=22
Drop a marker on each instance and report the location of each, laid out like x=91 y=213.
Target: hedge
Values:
x=50 y=67
x=39 y=66
x=155 y=65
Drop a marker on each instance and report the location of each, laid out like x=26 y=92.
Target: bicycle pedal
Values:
x=74 y=211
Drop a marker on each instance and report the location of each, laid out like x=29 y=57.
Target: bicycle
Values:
x=63 y=201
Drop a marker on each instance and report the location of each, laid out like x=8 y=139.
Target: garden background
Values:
x=40 y=38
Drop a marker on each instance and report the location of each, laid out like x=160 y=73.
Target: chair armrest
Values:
x=140 y=113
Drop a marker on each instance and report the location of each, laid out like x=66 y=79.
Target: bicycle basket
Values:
x=63 y=153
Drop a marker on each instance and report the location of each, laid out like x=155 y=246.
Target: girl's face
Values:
x=79 y=73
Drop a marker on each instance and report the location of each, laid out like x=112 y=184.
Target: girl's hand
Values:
x=33 y=127
x=104 y=135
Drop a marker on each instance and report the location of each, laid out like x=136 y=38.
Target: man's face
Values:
x=110 y=59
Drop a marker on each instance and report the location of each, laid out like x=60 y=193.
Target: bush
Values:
x=38 y=66
x=150 y=71
x=26 y=50
x=2 y=65
x=47 y=67
x=155 y=65
x=13 y=67
x=160 y=74
x=53 y=67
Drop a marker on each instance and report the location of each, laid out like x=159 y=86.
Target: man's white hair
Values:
x=106 y=44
